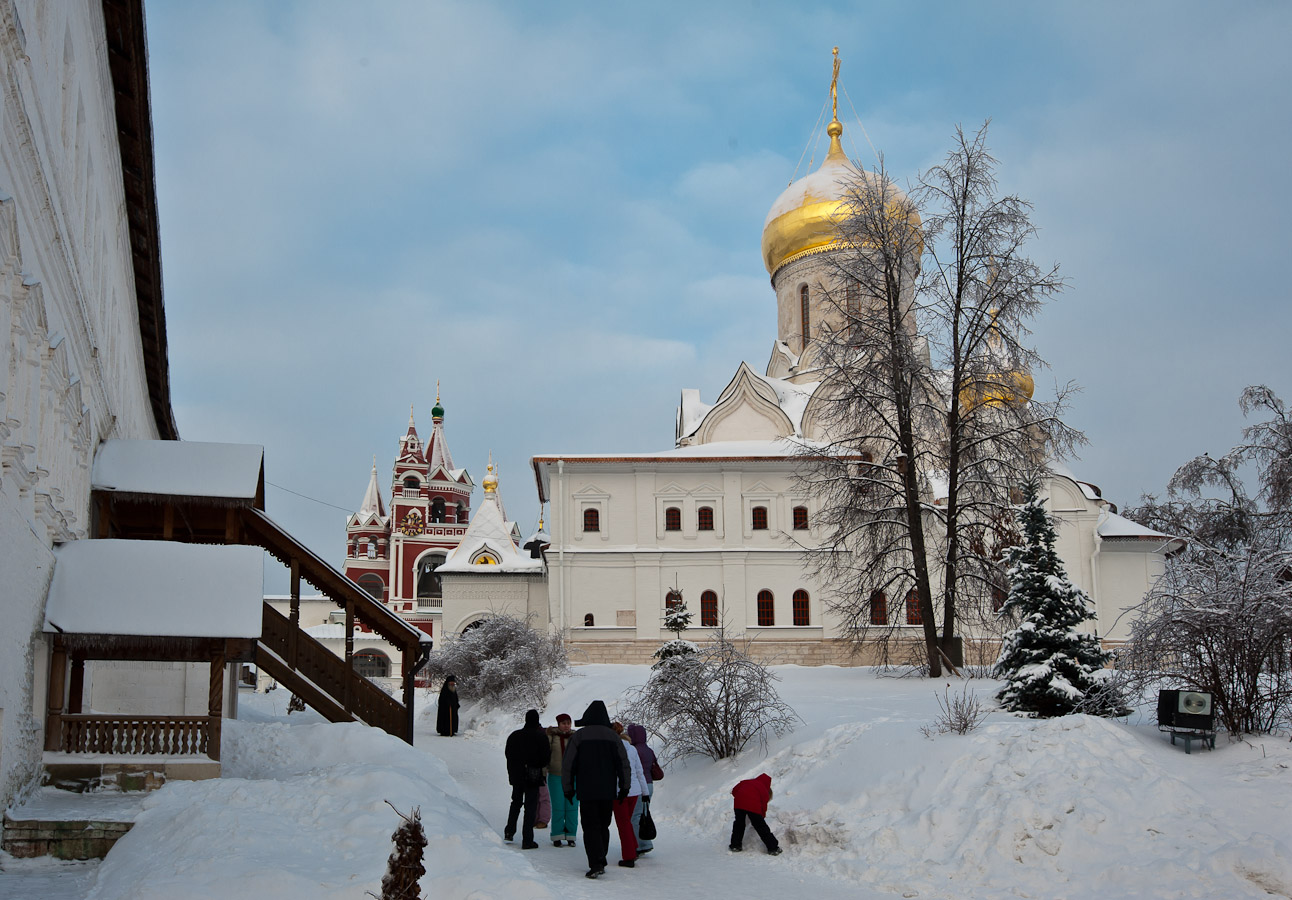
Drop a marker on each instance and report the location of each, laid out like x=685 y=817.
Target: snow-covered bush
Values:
x=713 y=701
x=1049 y=668
x=502 y=663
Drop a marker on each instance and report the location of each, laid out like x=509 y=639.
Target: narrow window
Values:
x=766 y=609
x=412 y=482
x=852 y=298
x=672 y=519
x=913 y=609
x=437 y=509
x=588 y=620
x=803 y=314
x=704 y=518
x=371 y=552
x=800 y=518
x=709 y=610
x=759 y=519
x=878 y=608
x=672 y=600
x=801 y=614
x=592 y=519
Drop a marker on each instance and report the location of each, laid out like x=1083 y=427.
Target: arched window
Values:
x=998 y=597
x=462 y=515
x=371 y=664
x=704 y=518
x=429 y=586
x=672 y=599
x=758 y=520
x=708 y=610
x=672 y=519
x=437 y=509
x=372 y=584
x=589 y=620
x=800 y=518
x=913 y=608
x=592 y=519
x=878 y=608
x=804 y=298
x=412 y=482
x=766 y=609
x=370 y=550
x=801 y=614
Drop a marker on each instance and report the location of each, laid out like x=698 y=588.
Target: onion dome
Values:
x=1007 y=387
x=437 y=411
x=491 y=479
x=804 y=218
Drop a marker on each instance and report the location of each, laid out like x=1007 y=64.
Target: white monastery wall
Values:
x=71 y=362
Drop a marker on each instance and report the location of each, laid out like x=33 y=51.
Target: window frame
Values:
x=802 y=604
x=709 y=609
x=800 y=518
x=878 y=603
x=766 y=609
x=913 y=616
x=591 y=520
x=700 y=516
x=673 y=518
x=754 y=512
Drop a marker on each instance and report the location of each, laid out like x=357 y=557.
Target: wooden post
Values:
x=295 y=612
x=349 y=652
x=407 y=664
x=77 y=686
x=231 y=526
x=215 y=704
x=168 y=522
x=54 y=702
x=104 y=523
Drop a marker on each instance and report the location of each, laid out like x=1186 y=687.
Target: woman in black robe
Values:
x=446 y=721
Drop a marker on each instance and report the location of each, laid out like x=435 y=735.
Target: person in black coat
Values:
x=446 y=720
x=595 y=766
x=527 y=753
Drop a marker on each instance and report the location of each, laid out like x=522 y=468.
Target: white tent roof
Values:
x=156 y=588
x=489 y=532
x=179 y=468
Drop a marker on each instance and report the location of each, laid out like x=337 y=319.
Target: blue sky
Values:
x=555 y=209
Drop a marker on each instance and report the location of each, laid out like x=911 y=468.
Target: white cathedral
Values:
x=718 y=516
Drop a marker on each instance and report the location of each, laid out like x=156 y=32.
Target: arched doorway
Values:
x=371 y=663
x=429 y=586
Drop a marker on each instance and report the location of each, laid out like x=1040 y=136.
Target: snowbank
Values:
x=301 y=813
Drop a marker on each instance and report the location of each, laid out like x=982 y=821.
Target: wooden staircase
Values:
x=326 y=682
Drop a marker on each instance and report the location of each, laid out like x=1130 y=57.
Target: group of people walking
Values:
x=600 y=773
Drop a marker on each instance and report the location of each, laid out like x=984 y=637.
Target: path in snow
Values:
x=684 y=863
x=45 y=878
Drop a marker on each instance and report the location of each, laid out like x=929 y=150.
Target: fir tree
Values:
x=677 y=618
x=1049 y=668
x=404 y=869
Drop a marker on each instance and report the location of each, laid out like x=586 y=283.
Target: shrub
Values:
x=502 y=663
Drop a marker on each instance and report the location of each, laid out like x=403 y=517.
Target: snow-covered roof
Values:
x=328 y=631
x=372 y=505
x=1088 y=490
x=156 y=588
x=180 y=469
x=490 y=533
x=773 y=449
x=791 y=398
x=1116 y=526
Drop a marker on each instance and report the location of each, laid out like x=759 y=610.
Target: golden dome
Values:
x=491 y=480
x=999 y=389
x=804 y=218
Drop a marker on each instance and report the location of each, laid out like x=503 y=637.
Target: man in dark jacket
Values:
x=527 y=753
x=596 y=764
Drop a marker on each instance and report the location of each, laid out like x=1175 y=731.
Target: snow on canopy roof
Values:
x=156 y=589
x=489 y=532
x=179 y=469
x=1117 y=526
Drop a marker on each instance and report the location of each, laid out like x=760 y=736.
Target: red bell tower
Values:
x=394 y=557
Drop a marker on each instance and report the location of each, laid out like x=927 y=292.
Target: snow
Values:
x=179 y=468
x=191 y=590
x=490 y=532
x=1116 y=526
x=865 y=807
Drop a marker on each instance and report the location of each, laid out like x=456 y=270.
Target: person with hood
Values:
x=565 y=816
x=624 y=806
x=446 y=719
x=650 y=765
x=595 y=768
x=752 y=796
x=527 y=753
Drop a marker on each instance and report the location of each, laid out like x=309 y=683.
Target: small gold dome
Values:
x=1000 y=389
x=491 y=480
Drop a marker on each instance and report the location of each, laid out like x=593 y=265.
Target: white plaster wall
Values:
x=149 y=688
x=71 y=363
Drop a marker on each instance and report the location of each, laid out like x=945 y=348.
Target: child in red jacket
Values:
x=752 y=796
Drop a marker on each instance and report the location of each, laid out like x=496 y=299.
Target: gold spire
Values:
x=491 y=480
x=410 y=415
x=835 y=128
x=437 y=392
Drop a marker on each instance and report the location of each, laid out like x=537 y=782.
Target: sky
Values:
x=555 y=211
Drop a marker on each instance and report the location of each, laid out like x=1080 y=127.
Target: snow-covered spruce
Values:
x=677 y=619
x=1049 y=668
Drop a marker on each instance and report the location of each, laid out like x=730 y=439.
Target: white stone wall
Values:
x=71 y=362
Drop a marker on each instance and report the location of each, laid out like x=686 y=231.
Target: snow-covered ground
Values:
x=865 y=807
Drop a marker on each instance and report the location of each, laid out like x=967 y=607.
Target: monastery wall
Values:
x=71 y=361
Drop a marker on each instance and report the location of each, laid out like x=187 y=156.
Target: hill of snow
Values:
x=865 y=806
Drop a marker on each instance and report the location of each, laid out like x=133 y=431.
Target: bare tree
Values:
x=926 y=397
x=713 y=702
x=1220 y=618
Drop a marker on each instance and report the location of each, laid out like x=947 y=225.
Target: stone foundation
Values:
x=70 y=839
